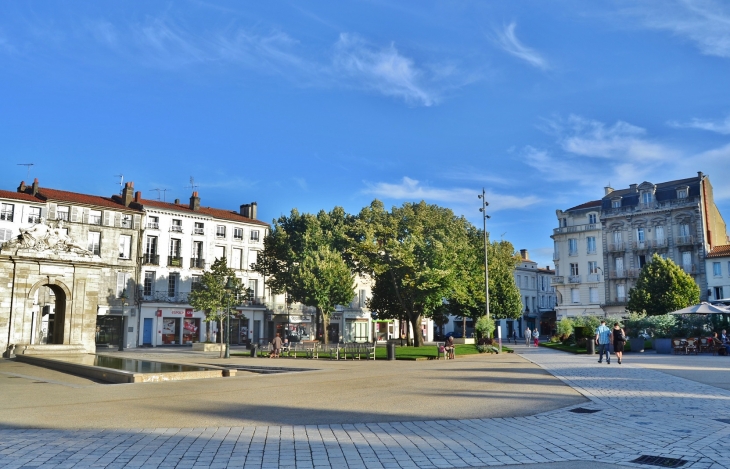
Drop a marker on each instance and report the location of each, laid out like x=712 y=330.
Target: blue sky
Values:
x=323 y=103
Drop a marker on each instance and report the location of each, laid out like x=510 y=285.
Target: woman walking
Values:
x=619 y=339
x=535 y=336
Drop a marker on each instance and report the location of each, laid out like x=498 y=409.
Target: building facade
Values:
x=717 y=266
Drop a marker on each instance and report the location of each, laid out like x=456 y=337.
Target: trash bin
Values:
x=391 y=351
x=253 y=348
x=590 y=347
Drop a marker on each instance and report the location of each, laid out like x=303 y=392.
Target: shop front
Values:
x=384 y=329
x=296 y=327
x=110 y=324
x=174 y=326
x=357 y=327
x=239 y=328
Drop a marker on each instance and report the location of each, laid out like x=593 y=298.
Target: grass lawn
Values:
x=564 y=348
x=426 y=352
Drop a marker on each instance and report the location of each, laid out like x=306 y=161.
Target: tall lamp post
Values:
x=486 y=261
x=125 y=301
x=230 y=287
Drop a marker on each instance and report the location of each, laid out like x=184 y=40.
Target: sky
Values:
x=317 y=104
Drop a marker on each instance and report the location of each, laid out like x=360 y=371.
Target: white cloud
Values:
x=411 y=189
x=719 y=126
x=384 y=70
x=507 y=39
x=704 y=22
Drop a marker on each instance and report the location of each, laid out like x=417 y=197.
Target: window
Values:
x=220 y=231
x=149 y=283
x=254 y=235
x=659 y=235
x=94 y=217
x=236 y=258
x=173 y=252
x=126 y=221
x=176 y=226
x=641 y=261
x=34 y=215
x=684 y=229
x=6 y=212
x=716 y=269
x=616 y=203
x=592 y=267
x=617 y=237
x=687 y=261
x=199 y=228
x=238 y=233
x=94 y=244
x=197 y=250
x=591 y=243
x=253 y=285
x=573 y=269
x=718 y=293
x=153 y=223
x=220 y=252
x=252 y=257
x=194 y=279
x=593 y=294
x=646 y=198
x=518 y=281
x=621 y=292
x=574 y=295
x=125 y=247
x=525 y=279
x=172 y=285
x=640 y=236
x=620 y=266
x=572 y=247
x=532 y=280
x=122 y=279
x=592 y=218
x=62 y=213
x=5 y=235
x=682 y=194
x=151 y=245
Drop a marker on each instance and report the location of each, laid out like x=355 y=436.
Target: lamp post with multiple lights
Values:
x=486 y=260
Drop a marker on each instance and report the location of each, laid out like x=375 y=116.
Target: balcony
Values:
x=621 y=273
x=176 y=229
x=577 y=228
x=174 y=261
x=593 y=278
x=616 y=247
x=165 y=296
x=659 y=244
x=574 y=279
x=618 y=301
x=153 y=225
x=684 y=240
x=654 y=205
x=557 y=280
x=198 y=231
x=151 y=259
x=639 y=245
x=197 y=263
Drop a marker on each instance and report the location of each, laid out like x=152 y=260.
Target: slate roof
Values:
x=719 y=251
x=209 y=211
x=592 y=203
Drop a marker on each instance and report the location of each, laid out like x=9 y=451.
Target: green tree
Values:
x=662 y=287
x=504 y=295
x=414 y=254
x=210 y=295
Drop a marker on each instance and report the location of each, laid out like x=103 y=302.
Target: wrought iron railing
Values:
x=151 y=259
x=174 y=261
x=197 y=263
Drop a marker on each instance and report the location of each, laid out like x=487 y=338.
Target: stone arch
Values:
x=62 y=305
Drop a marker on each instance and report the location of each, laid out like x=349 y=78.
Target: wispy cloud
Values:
x=507 y=39
x=384 y=70
x=719 y=126
x=412 y=189
x=704 y=22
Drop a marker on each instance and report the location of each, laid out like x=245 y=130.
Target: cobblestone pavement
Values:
x=639 y=412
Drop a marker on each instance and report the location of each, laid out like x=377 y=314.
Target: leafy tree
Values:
x=662 y=287
x=414 y=253
x=210 y=295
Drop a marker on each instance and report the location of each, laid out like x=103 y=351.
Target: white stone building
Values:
x=718 y=273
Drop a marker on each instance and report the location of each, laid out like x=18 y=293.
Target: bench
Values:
x=441 y=350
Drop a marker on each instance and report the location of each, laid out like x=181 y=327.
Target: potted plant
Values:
x=662 y=328
x=635 y=328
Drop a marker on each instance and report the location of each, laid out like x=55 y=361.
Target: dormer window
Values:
x=592 y=218
x=615 y=203
x=682 y=192
x=646 y=198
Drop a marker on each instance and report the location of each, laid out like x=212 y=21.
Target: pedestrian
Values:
x=603 y=339
x=536 y=336
x=276 y=344
x=528 y=336
x=619 y=340
x=514 y=335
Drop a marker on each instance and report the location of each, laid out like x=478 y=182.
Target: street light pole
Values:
x=125 y=301
x=230 y=286
x=486 y=260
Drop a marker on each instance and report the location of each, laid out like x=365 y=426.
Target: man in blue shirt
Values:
x=603 y=339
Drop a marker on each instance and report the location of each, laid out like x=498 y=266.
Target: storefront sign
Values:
x=177 y=312
x=158 y=313
x=298 y=318
x=190 y=326
x=188 y=313
x=356 y=315
x=336 y=317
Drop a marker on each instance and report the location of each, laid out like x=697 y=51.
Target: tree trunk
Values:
x=325 y=327
x=417 y=335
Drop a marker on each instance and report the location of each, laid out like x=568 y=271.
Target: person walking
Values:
x=536 y=336
x=276 y=345
x=514 y=335
x=619 y=340
x=528 y=336
x=603 y=339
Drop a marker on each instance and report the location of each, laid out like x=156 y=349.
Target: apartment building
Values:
x=578 y=256
x=717 y=266
x=537 y=295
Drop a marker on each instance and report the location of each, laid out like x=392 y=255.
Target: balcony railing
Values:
x=197 y=263
x=151 y=259
x=624 y=273
x=174 y=261
x=559 y=279
x=165 y=297
x=199 y=231
x=684 y=240
x=659 y=243
x=618 y=301
x=689 y=268
x=574 y=279
x=593 y=278
x=617 y=247
x=576 y=228
x=153 y=225
x=176 y=228
x=640 y=245
x=652 y=206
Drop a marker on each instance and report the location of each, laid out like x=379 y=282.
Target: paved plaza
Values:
x=639 y=411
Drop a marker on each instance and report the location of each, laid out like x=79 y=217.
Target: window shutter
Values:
x=51 y=211
x=121 y=277
x=137 y=221
x=74 y=214
x=106 y=218
x=85 y=217
x=117 y=220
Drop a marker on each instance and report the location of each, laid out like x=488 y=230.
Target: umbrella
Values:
x=702 y=308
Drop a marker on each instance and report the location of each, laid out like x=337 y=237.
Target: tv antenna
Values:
x=158 y=193
x=27 y=165
x=121 y=182
x=192 y=185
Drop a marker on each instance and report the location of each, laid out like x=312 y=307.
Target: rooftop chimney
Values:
x=138 y=196
x=195 y=202
x=607 y=190
x=35 y=186
x=127 y=193
x=524 y=254
x=633 y=187
x=254 y=210
x=177 y=201
x=245 y=210
x=700 y=174
x=22 y=186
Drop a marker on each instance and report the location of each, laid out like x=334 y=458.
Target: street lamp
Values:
x=486 y=261
x=230 y=287
x=125 y=301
